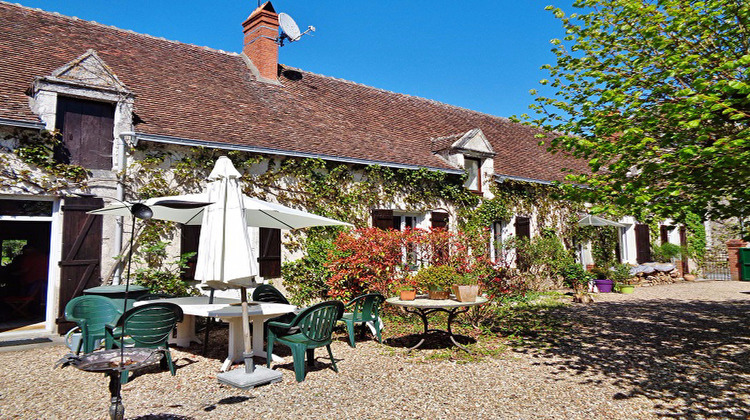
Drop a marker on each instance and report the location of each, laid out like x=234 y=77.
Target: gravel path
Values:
x=679 y=351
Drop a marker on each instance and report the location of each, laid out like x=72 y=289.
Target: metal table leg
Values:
x=425 y=313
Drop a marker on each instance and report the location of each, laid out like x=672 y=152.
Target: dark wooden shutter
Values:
x=382 y=219
x=189 y=238
x=523 y=231
x=664 y=234
x=441 y=252
x=80 y=267
x=684 y=244
x=87 y=129
x=270 y=253
x=642 y=243
x=440 y=220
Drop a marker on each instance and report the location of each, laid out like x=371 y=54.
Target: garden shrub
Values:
x=306 y=279
x=365 y=260
x=665 y=252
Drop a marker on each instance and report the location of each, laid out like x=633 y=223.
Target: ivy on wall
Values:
x=30 y=165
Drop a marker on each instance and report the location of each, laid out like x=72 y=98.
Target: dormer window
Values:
x=473 y=168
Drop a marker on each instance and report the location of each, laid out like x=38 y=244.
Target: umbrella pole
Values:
x=248 y=353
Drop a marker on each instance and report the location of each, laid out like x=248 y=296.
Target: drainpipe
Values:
x=122 y=167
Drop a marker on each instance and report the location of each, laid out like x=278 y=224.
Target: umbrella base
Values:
x=238 y=378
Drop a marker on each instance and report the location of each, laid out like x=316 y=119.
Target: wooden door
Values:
x=80 y=267
x=642 y=243
x=523 y=232
x=270 y=253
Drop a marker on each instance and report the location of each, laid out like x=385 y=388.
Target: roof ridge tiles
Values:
x=130 y=31
x=406 y=95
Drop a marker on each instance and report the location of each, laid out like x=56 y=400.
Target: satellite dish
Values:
x=289 y=29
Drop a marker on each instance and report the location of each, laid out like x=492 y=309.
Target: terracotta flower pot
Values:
x=408 y=294
x=466 y=293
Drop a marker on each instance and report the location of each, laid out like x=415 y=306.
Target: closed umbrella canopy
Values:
x=591 y=220
x=225 y=256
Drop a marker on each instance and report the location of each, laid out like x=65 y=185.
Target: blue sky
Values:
x=481 y=55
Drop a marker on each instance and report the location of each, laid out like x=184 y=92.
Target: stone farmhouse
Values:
x=120 y=99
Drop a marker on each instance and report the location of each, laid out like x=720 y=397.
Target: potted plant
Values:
x=602 y=283
x=578 y=278
x=624 y=281
x=466 y=288
x=437 y=279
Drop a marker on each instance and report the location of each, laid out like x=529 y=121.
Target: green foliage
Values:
x=653 y=95
x=306 y=278
x=11 y=248
x=437 y=277
x=166 y=278
x=620 y=273
x=36 y=149
x=154 y=269
x=603 y=243
x=665 y=252
x=575 y=275
x=544 y=255
x=696 y=238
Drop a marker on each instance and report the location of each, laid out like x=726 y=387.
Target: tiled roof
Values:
x=193 y=92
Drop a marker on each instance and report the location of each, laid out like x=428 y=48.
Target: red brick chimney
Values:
x=261 y=30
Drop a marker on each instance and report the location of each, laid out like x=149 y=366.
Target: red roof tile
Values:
x=193 y=92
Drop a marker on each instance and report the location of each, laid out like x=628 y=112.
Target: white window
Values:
x=473 y=171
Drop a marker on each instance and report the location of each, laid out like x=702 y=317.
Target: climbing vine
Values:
x=31 y=165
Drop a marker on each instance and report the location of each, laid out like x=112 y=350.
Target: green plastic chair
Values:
x=91 y=313
x=148 y=326
x=310 y=329
x=365 y=308
x=268 y=293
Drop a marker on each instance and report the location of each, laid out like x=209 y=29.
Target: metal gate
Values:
x=716 y=265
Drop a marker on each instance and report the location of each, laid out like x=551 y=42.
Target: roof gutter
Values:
x=266 y=150
x=22 y=124
x=502 y=178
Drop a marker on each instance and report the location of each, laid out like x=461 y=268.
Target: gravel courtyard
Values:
x=673 y=351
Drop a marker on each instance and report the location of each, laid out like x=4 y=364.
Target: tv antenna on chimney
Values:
x=290 y=30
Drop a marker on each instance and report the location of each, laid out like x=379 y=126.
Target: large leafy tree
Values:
x=653 y=94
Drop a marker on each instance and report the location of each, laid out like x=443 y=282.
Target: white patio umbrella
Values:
x=225 y=257
x=258 y=213
x=591 y=220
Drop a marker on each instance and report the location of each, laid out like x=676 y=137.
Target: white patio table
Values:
x=228 y=310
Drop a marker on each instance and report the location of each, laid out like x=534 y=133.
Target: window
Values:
x=386 y=219
x=473 y=170
x=87 y=129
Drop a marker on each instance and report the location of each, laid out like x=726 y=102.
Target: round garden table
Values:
x=425 y=307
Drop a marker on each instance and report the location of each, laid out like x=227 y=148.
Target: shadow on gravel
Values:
x=691 y=358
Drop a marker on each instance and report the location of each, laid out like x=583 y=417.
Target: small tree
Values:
x=653 y=95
